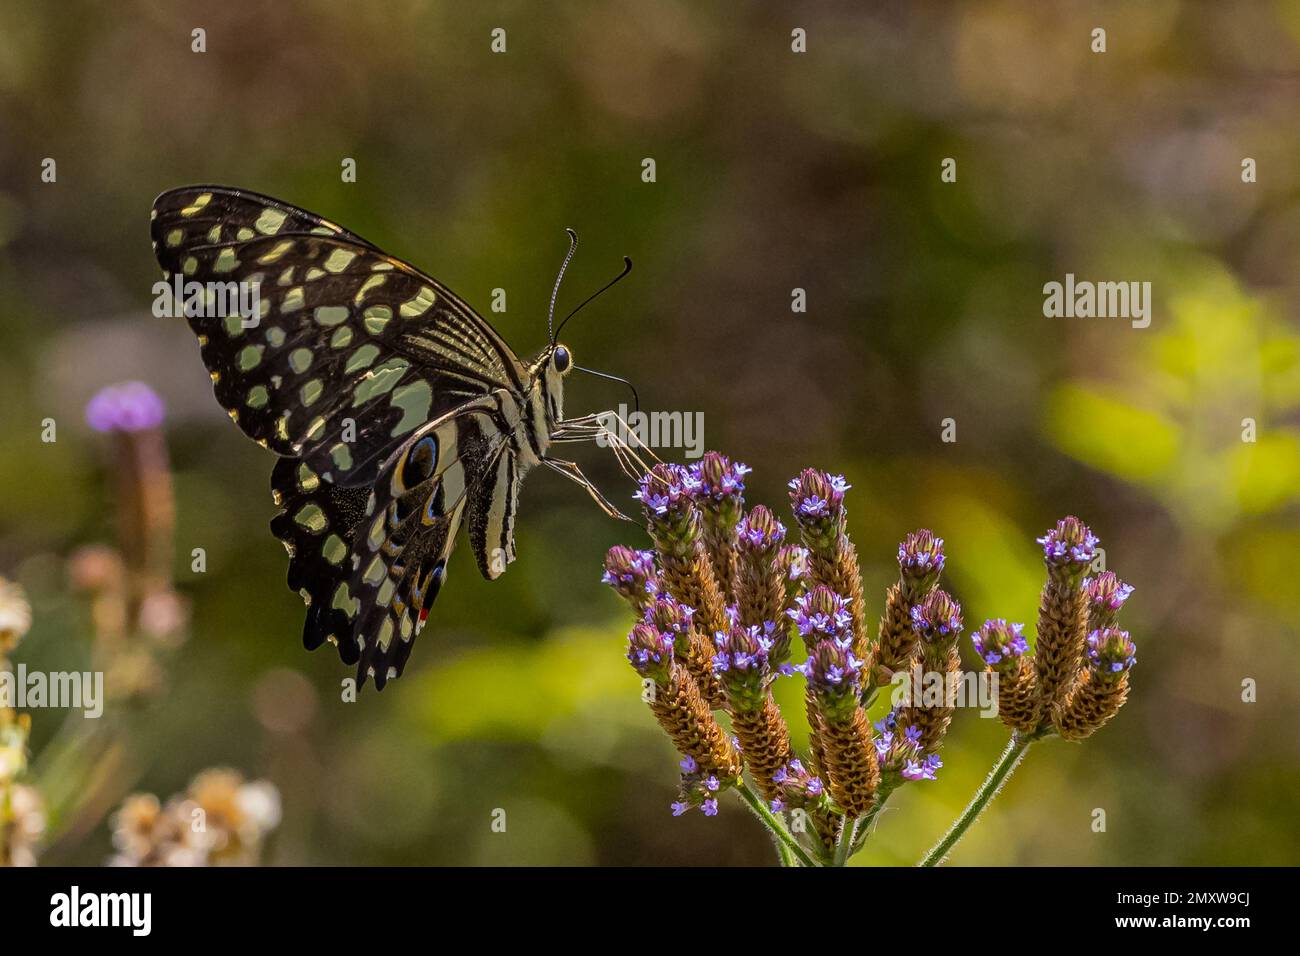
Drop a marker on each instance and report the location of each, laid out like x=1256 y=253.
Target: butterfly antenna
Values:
x=636 y=399
x=550 y=313
x=627 y=267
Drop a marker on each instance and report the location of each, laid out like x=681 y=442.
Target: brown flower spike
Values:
x=677 y=704
x=1103 y=686
x=1068 y=550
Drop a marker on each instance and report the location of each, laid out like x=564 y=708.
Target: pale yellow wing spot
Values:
x=293 y=300
x=420 y=304
x=226 y=261
x=338 y=260
x=371 y=283
x=269 y=222
x=199 y=203
x=277 y=252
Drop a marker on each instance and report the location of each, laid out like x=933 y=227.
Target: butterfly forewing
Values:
x=210 y=215
x=349 y=354
x=317 y=525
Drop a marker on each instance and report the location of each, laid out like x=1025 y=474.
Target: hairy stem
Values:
x=787 y=858
x=771 y=821
x=867 y=822
x=848 y=837
x=1006 y=765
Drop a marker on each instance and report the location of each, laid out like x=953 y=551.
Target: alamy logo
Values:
x=1102 y=300
x=920 y=688
x=73 y=690
x=220 y=300
x=683 y=430
x=74 y=908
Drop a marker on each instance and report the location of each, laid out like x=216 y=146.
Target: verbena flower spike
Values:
x=1068 y=550
x=920 y=561
x=721 y=596
x=1106 y=595
x=632 y=574
x=817 y=499
x=1003 y=648
x=675 y=524
x=937 y=624
x=676 y=702
x=719 y=491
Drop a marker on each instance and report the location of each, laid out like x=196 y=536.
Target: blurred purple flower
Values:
x=128 y=407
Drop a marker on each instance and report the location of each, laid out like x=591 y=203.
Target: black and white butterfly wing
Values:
x=352 y=350
x=353 y=360
x=411 y=518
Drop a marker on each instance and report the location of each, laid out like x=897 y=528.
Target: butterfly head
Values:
x=548 y=374
x=561 y=359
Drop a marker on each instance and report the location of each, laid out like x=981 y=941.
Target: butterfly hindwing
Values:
x=411 y=519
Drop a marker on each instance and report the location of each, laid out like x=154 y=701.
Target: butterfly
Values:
x=397 y=412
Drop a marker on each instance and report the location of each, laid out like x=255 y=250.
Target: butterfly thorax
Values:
x=545 y=398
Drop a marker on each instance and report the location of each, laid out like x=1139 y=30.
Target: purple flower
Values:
x=821 y=614
x=814 y=507
x=913 y=771
x=666 y=488
x=922 y=769
x=1106 y=595
x=1111 y=652
x=1069 y=547
x=832 y=670
x=798 y=787
x=743 y=663
x=128 y=407
x=901 y=752
x=883 y=744
x=679 y=807
x=630 y=573
x=650 y=651
x=922 y=552
x=793 y=558
x=759 y=532
x=921 y=559
x=818 y=501
x=999 y=642
x=937 y=619
x=668 y=616
x=717 y=477
x=688 y=764
x=710 y=806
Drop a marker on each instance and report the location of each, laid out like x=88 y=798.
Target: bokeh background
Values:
x=775 y=170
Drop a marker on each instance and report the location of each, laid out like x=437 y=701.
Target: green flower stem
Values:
x=867 y=821
x=787 y=858
x=848 y=838
x=771 y=821
x=1006 y=765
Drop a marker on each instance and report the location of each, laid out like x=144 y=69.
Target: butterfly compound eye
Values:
x=562 y=359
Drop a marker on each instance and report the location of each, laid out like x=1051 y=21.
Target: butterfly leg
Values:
x=570 y=470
